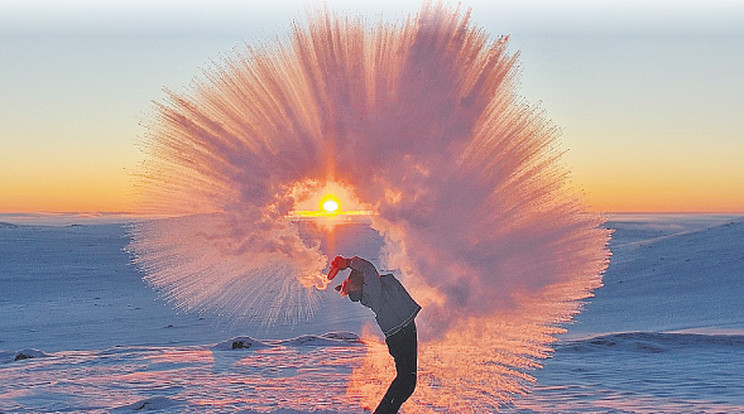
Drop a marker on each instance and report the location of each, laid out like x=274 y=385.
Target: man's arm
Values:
x=372 y=289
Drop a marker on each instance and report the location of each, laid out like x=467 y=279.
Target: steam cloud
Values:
x=422 y=122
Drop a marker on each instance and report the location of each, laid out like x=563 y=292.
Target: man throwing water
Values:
x=395 y=312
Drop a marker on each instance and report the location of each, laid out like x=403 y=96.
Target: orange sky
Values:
x=650 y=109
x=108 y=188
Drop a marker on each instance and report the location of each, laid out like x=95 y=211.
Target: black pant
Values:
x=403 y=347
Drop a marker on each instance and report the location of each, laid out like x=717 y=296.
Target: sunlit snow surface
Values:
x=665 y=333
x=268 y=376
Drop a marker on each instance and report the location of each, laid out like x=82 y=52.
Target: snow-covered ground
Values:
x=80 y=331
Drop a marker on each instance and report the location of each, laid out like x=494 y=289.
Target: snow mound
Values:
x=342 y=336
x=327 y=339
x=240 y=342
x=29 y=353
x=149 y=404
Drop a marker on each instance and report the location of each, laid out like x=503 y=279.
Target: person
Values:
x=395 y=312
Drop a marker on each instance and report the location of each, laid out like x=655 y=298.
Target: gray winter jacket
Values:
x=393 y=306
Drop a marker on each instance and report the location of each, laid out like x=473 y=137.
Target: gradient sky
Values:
x=650 y=96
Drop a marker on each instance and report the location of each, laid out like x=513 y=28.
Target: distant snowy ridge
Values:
x=638 y=229
x=327 y=339
x=621 y=341
x=651 y=342
x=64 y=219
x=671 y=276
x=340 y=338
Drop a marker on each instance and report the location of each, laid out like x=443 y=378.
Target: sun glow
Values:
x=334 y=202
x=330 y=204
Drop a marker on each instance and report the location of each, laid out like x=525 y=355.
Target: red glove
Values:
x=339 y=263
x=341 y=289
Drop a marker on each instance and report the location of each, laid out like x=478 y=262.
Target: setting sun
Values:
x=329 y=204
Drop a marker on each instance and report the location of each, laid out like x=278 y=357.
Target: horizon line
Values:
x=132 y=213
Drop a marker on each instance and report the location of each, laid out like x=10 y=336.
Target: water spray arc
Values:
x=419 y=125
